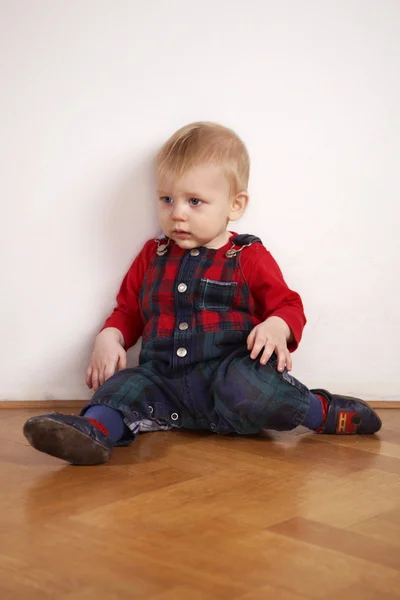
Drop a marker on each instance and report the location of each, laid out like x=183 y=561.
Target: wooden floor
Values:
x=189 y=516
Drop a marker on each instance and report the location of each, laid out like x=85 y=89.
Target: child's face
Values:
x=195 y=209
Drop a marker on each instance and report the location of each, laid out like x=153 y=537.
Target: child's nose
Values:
x=178 y=213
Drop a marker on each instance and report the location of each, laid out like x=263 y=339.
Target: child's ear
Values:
x=238 y=205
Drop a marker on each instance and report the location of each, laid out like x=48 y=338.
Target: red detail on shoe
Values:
x=99 y=426
x=345 y=423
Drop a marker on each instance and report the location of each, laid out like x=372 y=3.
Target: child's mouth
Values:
x=182 y=235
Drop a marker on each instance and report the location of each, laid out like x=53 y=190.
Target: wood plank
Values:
x=342 y=540
x=46 y=405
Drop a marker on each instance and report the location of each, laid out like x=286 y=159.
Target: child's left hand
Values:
x=272 y=335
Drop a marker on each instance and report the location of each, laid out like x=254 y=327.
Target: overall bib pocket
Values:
x=216 y=295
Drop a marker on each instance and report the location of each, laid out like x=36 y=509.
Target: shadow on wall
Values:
x=129 y=216
x=128 y=220
x=110 y=230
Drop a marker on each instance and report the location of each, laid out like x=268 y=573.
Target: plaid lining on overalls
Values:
x=194 y=367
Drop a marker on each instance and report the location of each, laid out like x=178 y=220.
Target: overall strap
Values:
x=242 y=241
x=238 y=243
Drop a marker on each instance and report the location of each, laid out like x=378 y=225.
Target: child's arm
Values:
x=279 y=308
x=123 y=327
x=108 y=356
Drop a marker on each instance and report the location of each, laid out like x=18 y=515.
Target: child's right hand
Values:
x=108 y=357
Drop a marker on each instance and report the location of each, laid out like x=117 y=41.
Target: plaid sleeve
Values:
x=126 y=315
x=271 y=294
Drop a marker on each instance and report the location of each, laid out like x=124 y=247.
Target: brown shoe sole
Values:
x=65 y=442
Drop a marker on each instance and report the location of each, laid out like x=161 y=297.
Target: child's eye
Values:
x=166 y=199
x=195 y=201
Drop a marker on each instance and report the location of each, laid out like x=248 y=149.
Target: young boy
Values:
x=217 y=320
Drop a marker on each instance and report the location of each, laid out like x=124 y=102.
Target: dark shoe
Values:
x=69 y=437
x=347 y=415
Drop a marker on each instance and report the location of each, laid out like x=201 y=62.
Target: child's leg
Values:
x=113 y=417
x=108 y=420
x=251 y=396
x=316 y=413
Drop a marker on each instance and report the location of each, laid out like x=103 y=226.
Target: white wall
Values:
x=90 y=88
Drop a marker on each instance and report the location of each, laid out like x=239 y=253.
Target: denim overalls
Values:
x=194 y=367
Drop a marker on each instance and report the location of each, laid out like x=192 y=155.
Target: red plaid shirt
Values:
x=250 y=285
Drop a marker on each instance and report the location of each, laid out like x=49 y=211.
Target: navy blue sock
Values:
x=315 y=414
x=110 y=419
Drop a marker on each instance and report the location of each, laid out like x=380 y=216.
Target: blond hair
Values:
x=205 y=142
